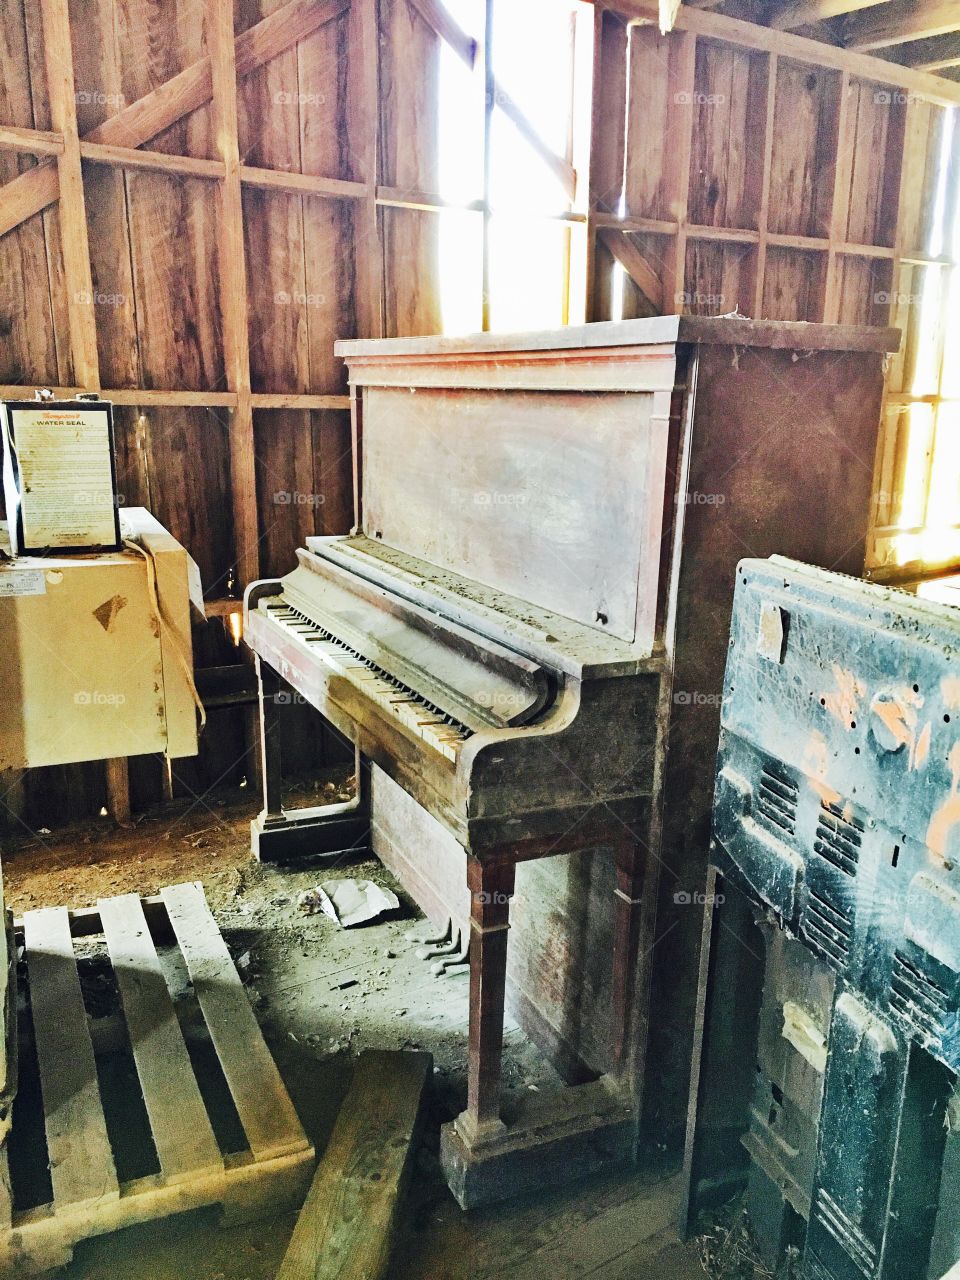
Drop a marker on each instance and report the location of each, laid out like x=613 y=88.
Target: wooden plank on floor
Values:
x=182 y=1133
x=346 y=1226
x=263 y=1104
x=81 y=1161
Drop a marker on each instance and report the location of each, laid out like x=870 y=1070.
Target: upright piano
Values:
x=524 y=638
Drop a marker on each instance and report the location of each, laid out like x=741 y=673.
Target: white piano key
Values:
x=402 y=704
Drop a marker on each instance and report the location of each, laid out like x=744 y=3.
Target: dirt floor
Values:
x=322 y=994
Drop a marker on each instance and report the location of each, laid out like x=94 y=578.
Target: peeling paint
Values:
x=844 y=701
x=106 y=613
x=948 y=815
x=815 y=767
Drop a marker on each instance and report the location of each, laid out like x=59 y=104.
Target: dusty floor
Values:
x=322 y=994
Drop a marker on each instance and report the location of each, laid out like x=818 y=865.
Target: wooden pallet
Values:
x=274 y=1172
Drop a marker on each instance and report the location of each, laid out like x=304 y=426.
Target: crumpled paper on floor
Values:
x=349 y=902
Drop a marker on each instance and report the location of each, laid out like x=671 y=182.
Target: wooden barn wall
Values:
x=746 y=179
x=164 y=247
x=234 y=235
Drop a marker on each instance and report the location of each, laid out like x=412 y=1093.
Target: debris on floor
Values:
x=728 y=1251
x=349 y=902
x=322 y=995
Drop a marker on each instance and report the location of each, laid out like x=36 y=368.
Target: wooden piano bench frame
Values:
x=295 y=835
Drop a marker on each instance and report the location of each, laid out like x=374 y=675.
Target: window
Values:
x=918 y=524
x=513 y=149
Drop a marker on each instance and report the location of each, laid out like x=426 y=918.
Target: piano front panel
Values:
x=552 y=497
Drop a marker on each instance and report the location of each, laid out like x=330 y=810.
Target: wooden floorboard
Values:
x=181 y=1128
x=346 y=1227
x=263 y=1104
x=81 y=1160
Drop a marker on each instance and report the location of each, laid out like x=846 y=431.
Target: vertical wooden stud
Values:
x=58 y=52
x=77 y=275
x=683 y=63
x=846 y=137
x=233 y=287
x=369 y=249
x=763 y=214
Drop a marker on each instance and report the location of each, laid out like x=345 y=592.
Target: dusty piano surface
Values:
x=501 y=638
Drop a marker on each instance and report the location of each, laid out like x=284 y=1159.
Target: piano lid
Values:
x=552 y=640
x=473 y=678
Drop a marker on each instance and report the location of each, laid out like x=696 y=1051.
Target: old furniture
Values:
x=546 y=530
x=97 y=651
x=830 y=1001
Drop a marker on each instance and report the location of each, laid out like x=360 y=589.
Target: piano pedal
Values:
x=457 y=962
x=428 y=932
x=448 y=948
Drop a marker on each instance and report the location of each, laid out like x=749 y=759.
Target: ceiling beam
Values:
x=890 y=24
x=930 y=55
x=748 y=35
x=787 y=15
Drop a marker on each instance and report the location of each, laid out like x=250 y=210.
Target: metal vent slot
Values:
x=919 y=999
x=813 y=1269
x=299 y=621
x=838 y=839
x=861 y=1251
x=777 y=799
x=828 y=929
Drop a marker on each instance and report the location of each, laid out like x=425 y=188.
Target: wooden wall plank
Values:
x=73 y=219
x=726 y=163
x=804 y=141
x=793 y=287
x=652 y=120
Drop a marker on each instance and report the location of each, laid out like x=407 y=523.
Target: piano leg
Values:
x=541 y=1139
x=628 y=954
x=268 y=687
x=491 y=888
x=281 y=835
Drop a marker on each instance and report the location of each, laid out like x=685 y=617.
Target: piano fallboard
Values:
x=487 y=716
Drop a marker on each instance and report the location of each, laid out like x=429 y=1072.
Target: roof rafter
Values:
x=788 y=15
x=932 y=54
x=890 y=24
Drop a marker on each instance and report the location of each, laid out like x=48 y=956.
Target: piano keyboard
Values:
x=428 y=722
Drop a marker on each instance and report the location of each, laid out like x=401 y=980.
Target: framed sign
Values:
x=59 y=476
